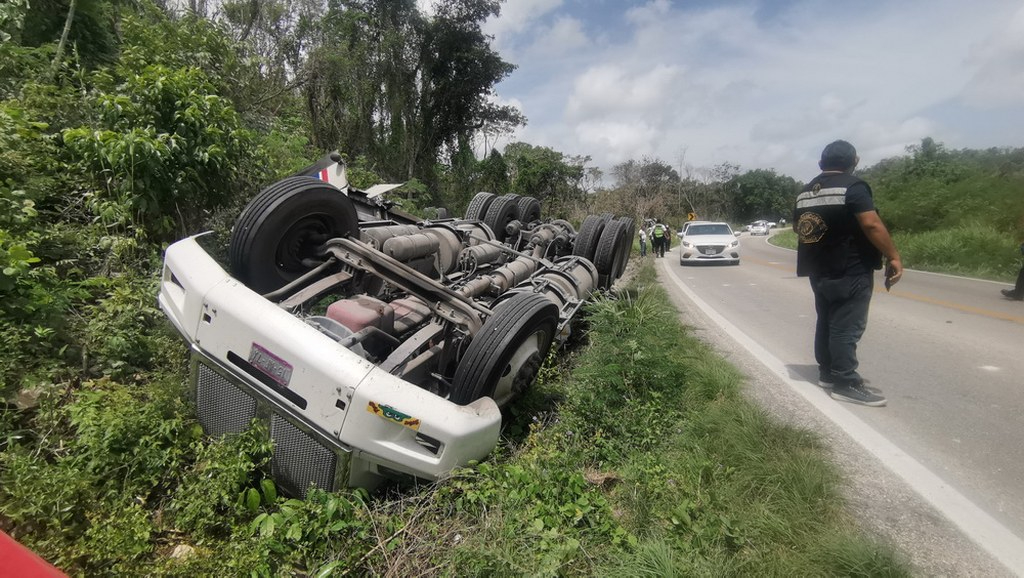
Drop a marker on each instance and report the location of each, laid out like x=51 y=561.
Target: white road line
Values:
x=974 y=522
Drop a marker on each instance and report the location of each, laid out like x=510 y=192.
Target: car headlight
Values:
x=688 y=244
x=735 y=244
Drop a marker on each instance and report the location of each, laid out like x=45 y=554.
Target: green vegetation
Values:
x=956 y=212
x=654 y=462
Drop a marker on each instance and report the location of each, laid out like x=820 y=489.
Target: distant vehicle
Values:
x=705 y=242
x=759 y=228
x=772 y=224
x=687 y=224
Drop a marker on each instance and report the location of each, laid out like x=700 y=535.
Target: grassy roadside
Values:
x=968 y=250
x=636 y=457
x=655 y=465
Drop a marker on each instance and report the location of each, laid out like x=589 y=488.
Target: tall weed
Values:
x=972 y=249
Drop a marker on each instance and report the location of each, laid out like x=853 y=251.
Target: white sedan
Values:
x=709 y=243
x=758 y=228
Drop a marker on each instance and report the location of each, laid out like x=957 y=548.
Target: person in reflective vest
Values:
x=841 y=242
x=659 y=238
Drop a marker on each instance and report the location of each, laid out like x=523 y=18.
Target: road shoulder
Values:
x=879 y=499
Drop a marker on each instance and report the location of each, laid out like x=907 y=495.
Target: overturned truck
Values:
x=372 y=345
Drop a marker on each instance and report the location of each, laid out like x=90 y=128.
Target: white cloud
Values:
x=517 y=16
x=617 y=140
x=563 y=37
x=649 y=13
x=999 y=80
x=610 y=91
x=764 y=84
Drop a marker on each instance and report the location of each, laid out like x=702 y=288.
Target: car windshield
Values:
x=708 y=230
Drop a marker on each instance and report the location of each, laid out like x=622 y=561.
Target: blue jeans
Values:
x=842 y=307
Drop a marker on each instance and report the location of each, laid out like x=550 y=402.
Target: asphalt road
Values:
x=940 y=470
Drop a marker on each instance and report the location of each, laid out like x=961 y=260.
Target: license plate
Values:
x=709 y=251
x=276 y=368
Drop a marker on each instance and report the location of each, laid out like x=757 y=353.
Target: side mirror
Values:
x=737 y=233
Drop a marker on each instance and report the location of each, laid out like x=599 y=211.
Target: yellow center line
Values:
x=957 y=306
x=914 y=297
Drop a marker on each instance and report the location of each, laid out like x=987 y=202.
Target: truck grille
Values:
x=222 y=407
x=302 y=456
x=299 y=460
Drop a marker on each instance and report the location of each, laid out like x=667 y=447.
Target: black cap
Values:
x=838 y=156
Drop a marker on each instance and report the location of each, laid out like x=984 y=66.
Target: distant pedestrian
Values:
x=841 y=242
x=643 y=242
x=659 y=236
x=1017 y=293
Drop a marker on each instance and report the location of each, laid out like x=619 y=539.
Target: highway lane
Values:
x=946 y=351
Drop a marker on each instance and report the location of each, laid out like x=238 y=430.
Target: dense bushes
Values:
x=934 y=189
x=98 y=168
x=164 y=151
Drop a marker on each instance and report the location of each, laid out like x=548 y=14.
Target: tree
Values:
x=405 y=89
x=552 y=177
x=645 y=189
x=762 y=194
x=494 y=173
x=88 y=25
x=704 y=191
x=459 y=72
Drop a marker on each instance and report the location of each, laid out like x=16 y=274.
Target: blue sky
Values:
x=761 y=83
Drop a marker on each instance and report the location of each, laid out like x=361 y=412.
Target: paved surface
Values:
x=944 y=350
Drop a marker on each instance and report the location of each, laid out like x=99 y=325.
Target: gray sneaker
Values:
x=825 y=382
x=857 y=394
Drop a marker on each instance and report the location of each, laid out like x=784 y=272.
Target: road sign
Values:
x=691 y=217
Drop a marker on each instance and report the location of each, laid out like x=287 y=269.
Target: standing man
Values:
x=841 y=242
x=643 y=242
x=658 y=239
x=1017 y=293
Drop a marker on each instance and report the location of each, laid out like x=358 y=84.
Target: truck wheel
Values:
x=501 y=212
x=283 y=226
x=477 y=209
x=504 y=357
x=611 y=252
x=587 y=238
x=630 y=234
x=529 y=209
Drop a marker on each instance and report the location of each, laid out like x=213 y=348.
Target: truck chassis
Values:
x=372 y=345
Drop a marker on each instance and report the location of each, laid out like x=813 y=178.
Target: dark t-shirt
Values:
x=831 y=242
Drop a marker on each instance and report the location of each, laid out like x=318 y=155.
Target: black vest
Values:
x=831 y=242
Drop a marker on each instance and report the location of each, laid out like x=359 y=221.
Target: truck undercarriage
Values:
x=371 y=345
